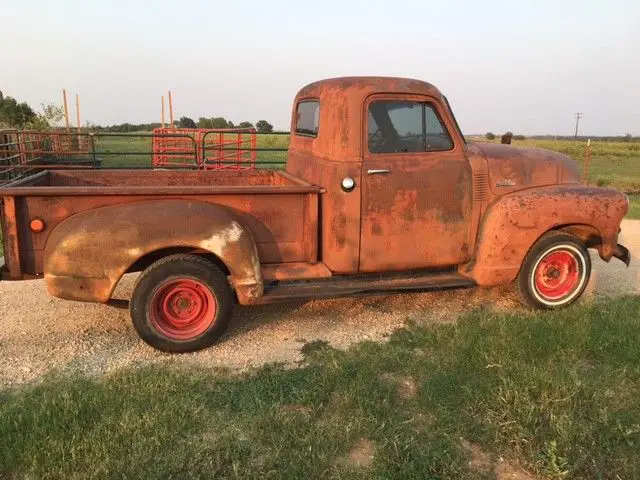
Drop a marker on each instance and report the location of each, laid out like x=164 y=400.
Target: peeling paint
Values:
x=218 y=242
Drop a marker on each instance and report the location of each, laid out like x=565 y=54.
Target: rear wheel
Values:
x=181 y=303
x=555 y=272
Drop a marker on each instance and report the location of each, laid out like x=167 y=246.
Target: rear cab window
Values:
x=308 y=118
x=401 y=126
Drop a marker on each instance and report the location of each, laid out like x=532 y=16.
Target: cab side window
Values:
x=308 y=118
x=405 y=126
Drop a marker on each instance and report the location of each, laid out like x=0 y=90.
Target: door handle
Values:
x=375 y=171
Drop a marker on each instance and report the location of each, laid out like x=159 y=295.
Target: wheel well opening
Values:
x=145 y=261
x=589 y=235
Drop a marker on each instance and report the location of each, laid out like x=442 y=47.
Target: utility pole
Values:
x=577 y=115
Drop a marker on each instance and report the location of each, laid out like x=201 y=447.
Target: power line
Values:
x=577 y=115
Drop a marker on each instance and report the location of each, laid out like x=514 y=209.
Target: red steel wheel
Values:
x=183 y=308
x=555 y=272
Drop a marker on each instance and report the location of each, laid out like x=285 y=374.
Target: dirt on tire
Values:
x=40 y=334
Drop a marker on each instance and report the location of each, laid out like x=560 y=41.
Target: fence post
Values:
x=21 y=147
x=587 y=157
x=93 y=150
x=201 y=161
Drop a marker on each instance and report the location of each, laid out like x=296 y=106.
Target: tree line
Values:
x=603 y=138
x=261 y=126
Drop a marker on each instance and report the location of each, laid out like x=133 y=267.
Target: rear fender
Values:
x=87 y=254
x=513 y=223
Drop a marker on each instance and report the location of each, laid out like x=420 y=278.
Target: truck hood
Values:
x=514 y=168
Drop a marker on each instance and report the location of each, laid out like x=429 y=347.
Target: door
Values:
x=416 y=187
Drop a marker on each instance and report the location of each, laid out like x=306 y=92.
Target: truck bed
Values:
x=136 y=179
x=281 y=210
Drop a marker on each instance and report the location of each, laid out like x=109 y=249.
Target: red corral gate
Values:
x=23 y=152
x=215 y=149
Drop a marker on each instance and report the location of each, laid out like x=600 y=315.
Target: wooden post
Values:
x=12 y=253
x=162 y=111
x=66 y=109
x=170 y=110
x=78 y=111
x=587 y=157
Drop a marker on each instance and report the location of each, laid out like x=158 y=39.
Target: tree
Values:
x=214 y=122
x=490 y=136
x=506 y=138
x=204 y=122
x=52 y=114
x=219 y=122
x=264 y=127
x=186 y=122
x=15 y=114
x=245 y=125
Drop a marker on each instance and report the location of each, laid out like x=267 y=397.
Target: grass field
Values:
x=556 y=393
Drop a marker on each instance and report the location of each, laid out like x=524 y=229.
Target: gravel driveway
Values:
x=40 y=334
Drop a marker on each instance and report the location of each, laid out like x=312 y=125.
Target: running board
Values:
x=368 y=284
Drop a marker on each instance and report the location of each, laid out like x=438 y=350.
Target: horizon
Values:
x=526 y=69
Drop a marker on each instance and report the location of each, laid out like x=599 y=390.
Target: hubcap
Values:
x=182 y=309
x=557 y=275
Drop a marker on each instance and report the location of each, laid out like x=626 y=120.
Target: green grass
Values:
x=555 y=392
x=634 y=206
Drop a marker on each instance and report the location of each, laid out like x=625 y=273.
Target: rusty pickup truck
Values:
x=381 y=192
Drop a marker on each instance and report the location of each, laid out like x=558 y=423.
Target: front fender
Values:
x=87 y=254
x=513 y=223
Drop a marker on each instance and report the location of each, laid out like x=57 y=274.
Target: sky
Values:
x=524 y=66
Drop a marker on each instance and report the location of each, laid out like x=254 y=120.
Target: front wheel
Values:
x=181 y=303
x=555 y=272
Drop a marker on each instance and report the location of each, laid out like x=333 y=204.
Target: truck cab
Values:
x=412 y=178
x=421 y=197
